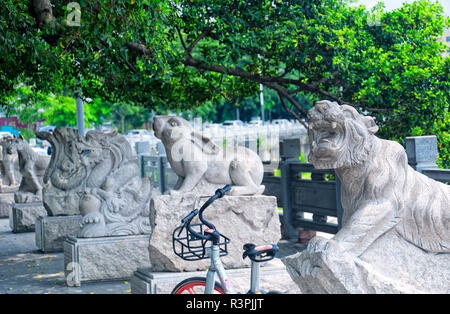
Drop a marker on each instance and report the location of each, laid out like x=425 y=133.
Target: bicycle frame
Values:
x=216 y=266
x=214 y=251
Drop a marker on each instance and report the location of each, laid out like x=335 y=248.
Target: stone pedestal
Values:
x=23 y=216
x=243 y=219
x=8 y=188
x=391 y=265
x=422 y=152
x=6 y=199
x=51 y=231
x=104 y=259
x=272 y=277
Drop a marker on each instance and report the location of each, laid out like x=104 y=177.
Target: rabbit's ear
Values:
x=204 y=143
x=112 y=133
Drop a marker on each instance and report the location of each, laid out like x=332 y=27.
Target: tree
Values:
x=61 y=111
x=184 y=53
x=26 y=105
x=30 y=107
x=128 y=113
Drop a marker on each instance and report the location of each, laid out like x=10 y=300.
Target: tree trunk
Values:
x=122 y=121
x=43 y=12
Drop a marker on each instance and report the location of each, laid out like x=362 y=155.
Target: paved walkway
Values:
x=26 y=270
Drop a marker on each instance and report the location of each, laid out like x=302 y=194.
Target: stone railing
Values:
x=302 y=189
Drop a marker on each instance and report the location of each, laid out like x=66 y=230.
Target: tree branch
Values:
x=190 y=61
x=128 y=64
x=287 y=71
x=324 y=79
x=139 y=48
x=272 y=82
x=281 y=90
x=181 y=37
x=376 y=109
x=205 y=33
x=291 y=111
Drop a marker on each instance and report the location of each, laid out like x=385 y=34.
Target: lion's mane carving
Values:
x=379 y=189
x=97 y=177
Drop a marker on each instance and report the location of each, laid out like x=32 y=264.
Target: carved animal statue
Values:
x=380 y=191
x=64 y=172
x=9 y=164
x=32 y=168
x=199 y=163
x=96 y=176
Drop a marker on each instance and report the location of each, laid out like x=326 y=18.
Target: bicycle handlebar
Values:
x=187 y=220
x=191 y=215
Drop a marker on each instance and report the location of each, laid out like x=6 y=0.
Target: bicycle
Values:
x=191 y=246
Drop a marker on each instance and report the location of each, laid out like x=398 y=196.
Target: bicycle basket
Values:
x=191 y=248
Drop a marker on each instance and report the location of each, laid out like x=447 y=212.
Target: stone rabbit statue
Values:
x=203 y=166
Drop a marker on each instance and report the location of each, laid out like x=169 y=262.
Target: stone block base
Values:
x=8 y=189
x=6 y=199
x=51 y=231
x=22 y=217
x=272 y=277
x=243 y=219
x=391 y=265
x=104 y=259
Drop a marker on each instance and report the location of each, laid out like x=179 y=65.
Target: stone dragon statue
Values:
x=394 y=218
x=96 y=176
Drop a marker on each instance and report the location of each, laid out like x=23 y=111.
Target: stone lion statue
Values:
x=394 y=218
x=203 y=166
x=32 y=167
x=9 y=164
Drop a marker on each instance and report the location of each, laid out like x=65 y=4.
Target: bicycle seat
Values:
x=262 y=253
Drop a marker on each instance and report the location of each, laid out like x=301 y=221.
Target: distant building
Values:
x=15 y=123
x=446 y=40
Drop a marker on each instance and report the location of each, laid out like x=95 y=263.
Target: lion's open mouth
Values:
x=327 y=135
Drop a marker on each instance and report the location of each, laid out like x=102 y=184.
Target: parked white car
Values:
x=40 y=150
x=3 y=134
x=139 y=135
x=255 y=123
x=280 y=121
x=211 y=126
x=233 y=123
x=106 y=127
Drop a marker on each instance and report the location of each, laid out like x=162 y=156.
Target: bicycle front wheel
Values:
x=196 y=285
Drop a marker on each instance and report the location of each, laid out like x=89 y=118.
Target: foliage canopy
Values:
x=185 y=53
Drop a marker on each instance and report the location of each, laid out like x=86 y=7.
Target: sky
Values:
x=394 y=4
